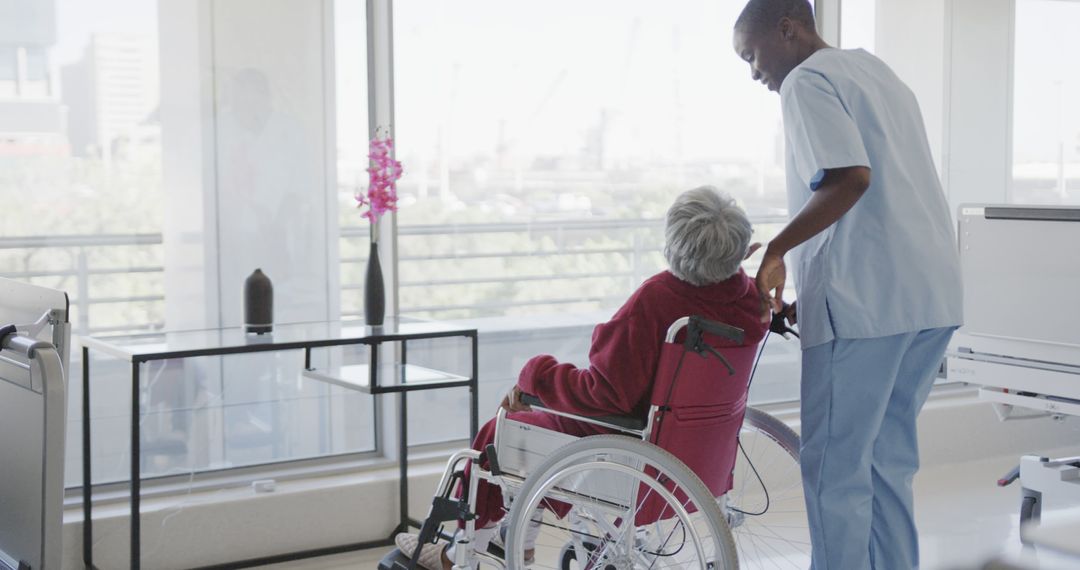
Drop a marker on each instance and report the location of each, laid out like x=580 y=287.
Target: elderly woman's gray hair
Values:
x=707 y=236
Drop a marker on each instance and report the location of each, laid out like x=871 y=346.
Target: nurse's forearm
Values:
x=840 y=189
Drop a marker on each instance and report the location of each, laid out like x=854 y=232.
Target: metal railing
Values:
x=73 y=262
x=631 y=240
x=79 y=249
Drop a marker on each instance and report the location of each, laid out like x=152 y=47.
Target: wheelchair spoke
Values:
x=775 y=555
x=766 y=507
x=770 y=536
x=642 y=509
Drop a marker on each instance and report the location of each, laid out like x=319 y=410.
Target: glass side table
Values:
x=374 y=378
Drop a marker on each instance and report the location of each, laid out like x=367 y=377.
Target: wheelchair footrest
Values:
x=394 y=560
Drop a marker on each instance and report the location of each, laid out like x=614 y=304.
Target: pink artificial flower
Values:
x=383 y=175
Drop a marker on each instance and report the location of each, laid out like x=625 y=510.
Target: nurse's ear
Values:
x=787 y=29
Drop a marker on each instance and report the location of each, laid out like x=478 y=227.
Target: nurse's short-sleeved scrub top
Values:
x=890 y=264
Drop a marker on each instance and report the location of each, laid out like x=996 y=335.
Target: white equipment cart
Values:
x=1021 y=338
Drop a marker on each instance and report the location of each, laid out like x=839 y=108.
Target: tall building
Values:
x=111 y=95
x=31 y=116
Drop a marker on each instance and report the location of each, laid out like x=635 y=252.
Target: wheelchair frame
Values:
x=510 y=473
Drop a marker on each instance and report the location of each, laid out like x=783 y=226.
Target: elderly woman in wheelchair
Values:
x=553 y=481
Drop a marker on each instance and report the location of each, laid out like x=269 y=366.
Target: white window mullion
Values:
x=827 y=15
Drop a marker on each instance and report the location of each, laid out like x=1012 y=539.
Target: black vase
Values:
x=374 y=295
x=258 y=303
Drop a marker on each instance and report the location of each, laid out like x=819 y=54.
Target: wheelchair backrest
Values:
x=698 y=406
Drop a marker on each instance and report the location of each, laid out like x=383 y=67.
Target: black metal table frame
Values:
x=373 y=341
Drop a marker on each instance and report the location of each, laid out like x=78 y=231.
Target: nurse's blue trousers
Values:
x=860 y=400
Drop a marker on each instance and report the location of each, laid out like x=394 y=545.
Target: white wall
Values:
x=248 y=158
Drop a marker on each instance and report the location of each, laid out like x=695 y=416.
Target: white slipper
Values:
x=430 y=554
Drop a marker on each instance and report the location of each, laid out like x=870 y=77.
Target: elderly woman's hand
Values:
x=752 y=250
x=511 y=402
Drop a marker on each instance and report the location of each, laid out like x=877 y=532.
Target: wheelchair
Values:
x=703 y=481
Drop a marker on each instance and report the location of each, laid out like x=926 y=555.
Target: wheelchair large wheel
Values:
x=613 y=502
x=765 y=507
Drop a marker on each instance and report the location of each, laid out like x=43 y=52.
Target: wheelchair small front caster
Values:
x=568 y=557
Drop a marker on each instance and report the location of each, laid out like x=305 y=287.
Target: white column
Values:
x=827 y=16
x=381 y=116
x=910 y=37
x=978 y=104
x=189 y=160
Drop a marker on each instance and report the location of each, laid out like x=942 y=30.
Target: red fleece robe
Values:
x=622 y=361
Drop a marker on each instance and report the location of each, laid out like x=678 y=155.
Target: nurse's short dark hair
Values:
x=706 y=236
x=764 y=14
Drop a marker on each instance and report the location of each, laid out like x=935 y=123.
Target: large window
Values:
x=179 y=146
x=546 y=149
x=173 y=147
x=543 y=143
x=1046 y=121
x=9 y=66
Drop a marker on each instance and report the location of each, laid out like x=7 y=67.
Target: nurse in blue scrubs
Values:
x=873 y=254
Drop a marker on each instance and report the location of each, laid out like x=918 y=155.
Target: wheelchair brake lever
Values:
x=705 y=347
x=695 y=338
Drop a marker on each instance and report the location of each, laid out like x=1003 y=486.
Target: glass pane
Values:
x=9 y=65
x=542 y=151
x=1046 y=122
x=218 y=412
x=537 y=173
x=149 y=165
x=37 y=64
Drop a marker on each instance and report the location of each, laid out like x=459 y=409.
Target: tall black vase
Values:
x=374 y=295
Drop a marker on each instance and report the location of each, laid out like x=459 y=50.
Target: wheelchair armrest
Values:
x=624 y=422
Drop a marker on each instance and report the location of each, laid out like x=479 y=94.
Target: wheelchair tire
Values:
x=765 y=508
x=595 y=471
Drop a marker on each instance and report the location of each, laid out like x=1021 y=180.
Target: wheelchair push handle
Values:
x=531 y=401
x=696 y=327
x=779 y=325
x=734 y=334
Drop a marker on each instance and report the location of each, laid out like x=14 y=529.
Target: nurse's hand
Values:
x=770 y=283
x=791 y=313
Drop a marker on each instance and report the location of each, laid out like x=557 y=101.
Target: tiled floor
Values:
x=964 y=520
